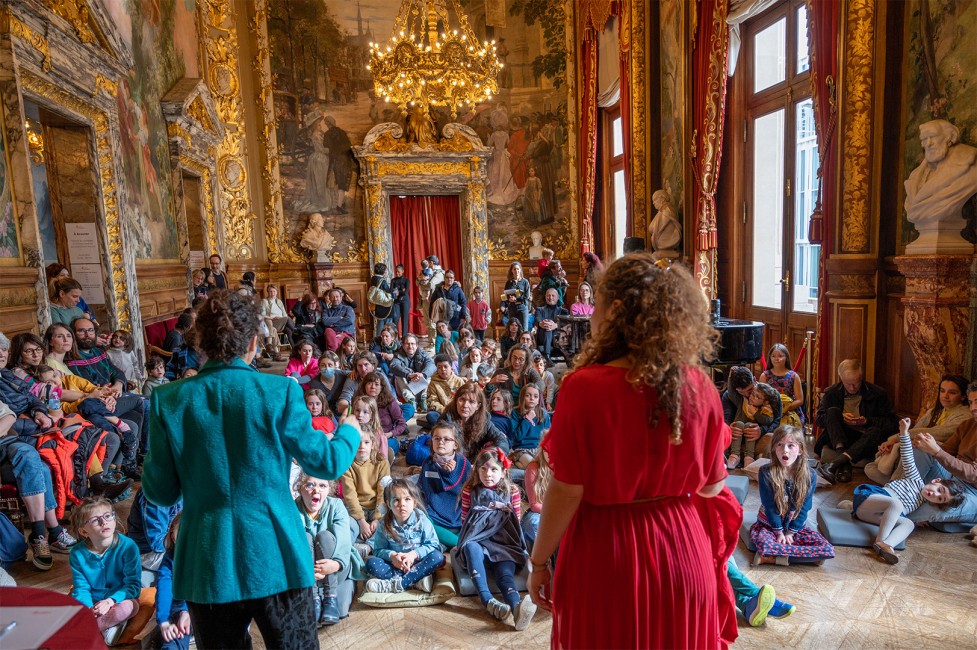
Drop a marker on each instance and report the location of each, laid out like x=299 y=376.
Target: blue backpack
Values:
x=13 y=546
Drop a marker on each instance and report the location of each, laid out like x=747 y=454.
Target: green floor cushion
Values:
x=467 y=588
x=841 y=529
x=443 y=591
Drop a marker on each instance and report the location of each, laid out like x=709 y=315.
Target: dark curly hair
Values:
x=225 y=325
x=658 y=319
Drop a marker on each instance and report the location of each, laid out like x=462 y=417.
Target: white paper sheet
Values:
x=35 y=625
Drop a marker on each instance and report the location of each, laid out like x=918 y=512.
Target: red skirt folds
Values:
x=636 y=575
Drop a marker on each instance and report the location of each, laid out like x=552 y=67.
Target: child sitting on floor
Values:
x=490 y=538
x=303 y=363
x=529 y=420
x=322 y=417
x=787 y=486
x=443 y=474
x=405 y=547
x=121 y=353
x=156 y=369
x=363 y=485
x=172 y=616
x=500 y=411
x=105 y=570
x=888 y=506
x=759 y=409
x=327 y=528
x=549 y=381
x=364 y=408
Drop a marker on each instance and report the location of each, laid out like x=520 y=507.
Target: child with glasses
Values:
x=105 y=569
x=327 y=528
x=443 y=475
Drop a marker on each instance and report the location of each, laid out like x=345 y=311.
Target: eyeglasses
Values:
x=34 y=350
x=100 y=519
x=87 y=330
x=316 y=487
x=439 y=440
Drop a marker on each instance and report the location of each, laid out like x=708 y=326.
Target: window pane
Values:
x=768 y=209
x=617 y=137
x=803 y=53
x=770 y=56
x=806 y=255
x=620 y=212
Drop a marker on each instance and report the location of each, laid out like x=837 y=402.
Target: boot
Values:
x=330 y=611
x=101 y=487
x=837 y=471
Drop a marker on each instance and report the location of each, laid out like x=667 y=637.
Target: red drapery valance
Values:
x=823 y=26
x=711 y=48
x=423 y=226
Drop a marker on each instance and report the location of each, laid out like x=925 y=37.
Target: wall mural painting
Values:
x=8 y=225
x=324 y=104
x=143 y=141
x=953 y=25
x=673 y=44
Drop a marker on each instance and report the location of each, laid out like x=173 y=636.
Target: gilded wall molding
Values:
x=102 y=82
x=76 y=13
x=108 y=186
x=571 y=249
x=210 y=212
x=16 y=27
x=219 y=45
x=858 y=81
x=634 y=26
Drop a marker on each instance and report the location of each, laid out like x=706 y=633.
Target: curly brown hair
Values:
x=225 y=325
x=658 y=319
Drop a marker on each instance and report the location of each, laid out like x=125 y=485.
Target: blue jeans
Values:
x=394 y=445
x=743 y=588
x=530 y=526
x=31 y=474
x=424 y=567
x=544 y=341
x=407 y=410
x=520 y=313
x=930 y=468
x=504 y=573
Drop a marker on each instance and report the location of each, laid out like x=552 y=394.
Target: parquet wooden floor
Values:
x=928 y=600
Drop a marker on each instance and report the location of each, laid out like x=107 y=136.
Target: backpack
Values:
x=378 y=296
x=13 y=546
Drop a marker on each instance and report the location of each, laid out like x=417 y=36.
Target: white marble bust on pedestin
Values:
x=937 y=190
x=316 y=238
x=536 y=250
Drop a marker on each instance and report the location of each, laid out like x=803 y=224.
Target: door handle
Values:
x=785 y=281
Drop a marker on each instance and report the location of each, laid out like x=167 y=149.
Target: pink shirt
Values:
x=581 y=309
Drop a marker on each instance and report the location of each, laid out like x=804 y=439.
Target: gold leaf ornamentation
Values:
x=20 y=29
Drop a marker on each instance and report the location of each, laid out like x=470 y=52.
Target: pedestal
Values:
x=321 y=275
x=938 y=322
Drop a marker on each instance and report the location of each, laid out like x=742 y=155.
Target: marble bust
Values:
x=937 y=190
x=536 y=250
x=316 y=238
x=664 y=231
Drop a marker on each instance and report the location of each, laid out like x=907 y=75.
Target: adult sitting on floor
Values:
x=855 y=417
x=338 y=321
x=738 y=387
x=957 y=457
x=385 y=346
x=363 y=364
x=412 y=369
x=949 y=412
x=469 y=410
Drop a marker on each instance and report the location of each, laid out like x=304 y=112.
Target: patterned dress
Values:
x=785 y=386
x=809 y=545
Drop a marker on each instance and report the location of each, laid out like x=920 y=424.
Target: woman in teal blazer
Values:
x=223 y=441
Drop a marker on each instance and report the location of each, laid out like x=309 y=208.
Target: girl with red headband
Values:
x=491 y=538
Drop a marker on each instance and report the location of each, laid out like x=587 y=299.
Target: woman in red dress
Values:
x=636 y=450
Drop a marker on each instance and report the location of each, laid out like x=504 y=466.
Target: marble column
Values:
x=938 y=322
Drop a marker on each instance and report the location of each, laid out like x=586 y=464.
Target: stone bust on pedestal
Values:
x=937 y=190
x=664 y=231
x=316 y=238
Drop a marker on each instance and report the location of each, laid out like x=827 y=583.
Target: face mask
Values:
x=328 y=373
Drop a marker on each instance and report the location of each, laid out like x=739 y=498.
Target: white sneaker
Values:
x=379 y=586
x=524 y=613
x=733 y=461
x=363 y=549
x=425 y=584
x=113 y=634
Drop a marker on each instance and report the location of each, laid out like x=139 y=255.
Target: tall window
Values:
x=615 y=189
x=781 y=144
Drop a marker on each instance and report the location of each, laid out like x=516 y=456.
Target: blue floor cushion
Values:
x=467 y=588
x=841 y=529
x=739 y=486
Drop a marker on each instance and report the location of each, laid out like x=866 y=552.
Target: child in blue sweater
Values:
x=405 y=547
x=529 y=421
x=172 y=616
x=500 y=411
x=147 y=527
x=442 y=476
x=327 y=527
x=105 y=570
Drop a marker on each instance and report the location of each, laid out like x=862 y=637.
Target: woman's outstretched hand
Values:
x=540 y=588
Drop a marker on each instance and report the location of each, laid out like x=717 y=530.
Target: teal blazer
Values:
x=223 y=441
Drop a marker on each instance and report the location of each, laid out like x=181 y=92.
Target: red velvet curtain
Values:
x=824 y=23
x=711 y=48
x=423 y=226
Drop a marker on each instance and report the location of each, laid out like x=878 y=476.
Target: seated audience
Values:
x=941 y=421
x=755 y=603
x=468 y=410
x=787 y=484
x=443 y=473
x=303 y=363
x=549 y=381
x=385 y=347
x=405 y=546
x=172 y=616
x=510 y=338
x=392 y=422
x=782 y=377
x=856 y=417
x=122 y=354
x=363 y=364
x=553 y=277
x=59 y=341
x=584 y=305
x=471 y=364
x=529 y=421
x=176 y=337
x=56 y=271
x=537 y=479
x=148 y=526
x=517 y=373
x=547 y=322
x=308 y=315
x=446 y=343
x=65 y=296
x=500 y=407
x=347 y=353
x=757 y=410
x=25 y=355
x=277 y=319
x=738 y=387
x=330 y=379
x=156 y=376
x=338 y=321
x=443 y=385
x=363 y=486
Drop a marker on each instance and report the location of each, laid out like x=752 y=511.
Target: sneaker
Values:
x=363 y=549
x=886 y=553
x=63 y=543
x=747 y=461
x=425 y=584
x=41 y=553
x=759 y=606
x=132 y=471
x=112 y=634
x=379 y=586
x=524 y=613
x=113 y=476
x=781 y=609
x=495 y=607
x=733 y=461
x=126 y=494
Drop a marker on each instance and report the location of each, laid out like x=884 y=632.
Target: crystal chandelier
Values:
x=427 y=62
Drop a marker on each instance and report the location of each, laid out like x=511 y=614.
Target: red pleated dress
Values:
x=635 y=575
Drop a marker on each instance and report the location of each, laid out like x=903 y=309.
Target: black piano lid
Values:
x=740 y=341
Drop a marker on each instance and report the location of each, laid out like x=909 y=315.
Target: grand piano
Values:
x=740 y=341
